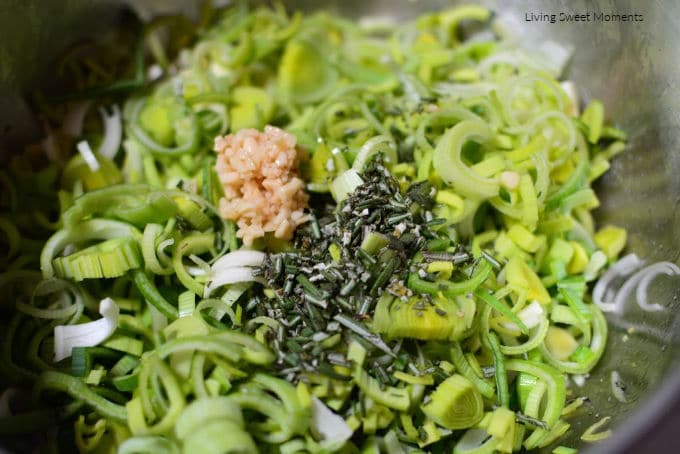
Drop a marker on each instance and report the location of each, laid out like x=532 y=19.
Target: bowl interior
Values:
x=631 y=66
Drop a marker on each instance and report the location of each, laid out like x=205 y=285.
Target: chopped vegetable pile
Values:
x=304 y=234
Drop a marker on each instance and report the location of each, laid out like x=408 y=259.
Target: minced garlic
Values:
x=262 y=187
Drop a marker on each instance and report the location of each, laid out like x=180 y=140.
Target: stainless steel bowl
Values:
x=634 y=67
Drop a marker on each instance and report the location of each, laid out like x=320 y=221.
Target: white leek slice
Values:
x=113 y=133
x=597 y=261
x=579 y=380
x=86 y=334
x=532 y=314
x=476 y=440
x=639 y=282
x=154 y=72
x=230 y=276
x=234 y=267
x=88 y=156
x=238 y=259
x=328 y=426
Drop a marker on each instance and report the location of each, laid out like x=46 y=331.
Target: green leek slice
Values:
x=455 y=404
x=418 y=319
x=111 y=258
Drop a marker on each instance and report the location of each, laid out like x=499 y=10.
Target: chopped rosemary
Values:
x=329 y=278
x=524 y=419
x=357 y=328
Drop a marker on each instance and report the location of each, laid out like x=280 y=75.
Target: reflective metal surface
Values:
x=633 y=67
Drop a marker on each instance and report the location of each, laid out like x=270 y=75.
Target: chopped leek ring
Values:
x=591 y=434
x=217 y=437
x=389 y=396
x=455 y=404
x=449 y=164
x=476 y=441
x=553 y=379
x=85 y=231
x=111 y=258
x=596 y=347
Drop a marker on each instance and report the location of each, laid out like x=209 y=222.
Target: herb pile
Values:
x=335 y=277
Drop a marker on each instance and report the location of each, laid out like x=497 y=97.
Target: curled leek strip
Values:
x=449 y=162
x=536 y=336
x=220 y=436
x=101 y=199
x=79 y=390
x=194 y=244
x=202 y=410
x=153 y=368
x=373 y=146
x=555 y=381
x=451 y=289
x=148 y=289
x=592 y=352
x=87 y=334
x=287 y=414
x=207 y=344
x=152 y=233
x=64 y=299
x=137 y=131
